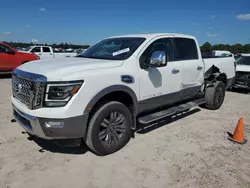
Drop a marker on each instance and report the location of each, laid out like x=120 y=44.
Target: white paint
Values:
x=243 y=68
x=99 y=74
x=121 y=51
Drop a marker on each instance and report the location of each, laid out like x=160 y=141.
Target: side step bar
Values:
x=170 y=111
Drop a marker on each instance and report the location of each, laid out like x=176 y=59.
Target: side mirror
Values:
x=9 y=51
x=158 y=59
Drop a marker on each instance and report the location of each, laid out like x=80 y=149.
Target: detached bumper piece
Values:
x=242 y=80
x=48 y=128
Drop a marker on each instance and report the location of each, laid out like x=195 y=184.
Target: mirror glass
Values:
x=158 y=58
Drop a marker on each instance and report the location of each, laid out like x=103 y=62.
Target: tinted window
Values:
x=2 y=49
x=243 y=60
x=36 y=49
x=186 y=49
x=46 y=49
x=165 y=45
x=113 y=48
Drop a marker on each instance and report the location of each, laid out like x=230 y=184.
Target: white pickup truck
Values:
x=101 y=95
x=46 y=52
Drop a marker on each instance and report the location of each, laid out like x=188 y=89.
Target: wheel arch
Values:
x=213 y=74
x=118 y=93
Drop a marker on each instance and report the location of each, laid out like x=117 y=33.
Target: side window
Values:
x=186 y=49
x=165 y=44
x=46 y=49
x=36 y=49
x=2 y=49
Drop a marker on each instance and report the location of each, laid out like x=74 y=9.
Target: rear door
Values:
x=192 y=66
x=47 y=53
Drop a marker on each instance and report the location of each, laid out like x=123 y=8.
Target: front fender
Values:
x=111 y=89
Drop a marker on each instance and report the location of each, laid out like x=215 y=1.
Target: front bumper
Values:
x=241 y=86
x=49 y=128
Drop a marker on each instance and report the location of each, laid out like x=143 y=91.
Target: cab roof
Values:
x=153 y=35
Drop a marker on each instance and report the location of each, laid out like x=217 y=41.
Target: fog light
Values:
x=54 y=124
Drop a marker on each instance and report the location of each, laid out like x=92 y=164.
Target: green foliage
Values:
x=62 y=45
x=206 y=47
x=236 y=48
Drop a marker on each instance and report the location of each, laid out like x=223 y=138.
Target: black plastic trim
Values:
x=127 y=79
x=74 y=127
x=111 y=89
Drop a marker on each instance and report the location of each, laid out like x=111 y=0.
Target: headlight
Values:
x=58 y=95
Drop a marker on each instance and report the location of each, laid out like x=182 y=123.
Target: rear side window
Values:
x=36 y=49
x=46 y=49
x=186 y=49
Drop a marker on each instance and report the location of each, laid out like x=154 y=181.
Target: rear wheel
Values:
x=215 y=95
x=109 y=128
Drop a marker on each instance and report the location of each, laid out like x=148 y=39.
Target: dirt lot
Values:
x=191 y=151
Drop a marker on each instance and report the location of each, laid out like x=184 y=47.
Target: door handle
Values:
x=199 y=68
x=175 y=71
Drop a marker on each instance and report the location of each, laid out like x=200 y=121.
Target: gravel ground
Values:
x=188 y=151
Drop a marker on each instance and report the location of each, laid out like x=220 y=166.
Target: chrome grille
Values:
x=28 y=88
x=22 y=89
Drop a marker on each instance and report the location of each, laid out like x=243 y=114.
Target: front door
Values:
x=8 y=61
x=192 y=67
x=37 y=51
x=159 y=86
x=4 y=58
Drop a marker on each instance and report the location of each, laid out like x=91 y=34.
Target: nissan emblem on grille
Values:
x=22 y=89
x=19 y=88
x=28 y=88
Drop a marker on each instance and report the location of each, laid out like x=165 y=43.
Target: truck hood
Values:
x=243 y=68
x=55 y=69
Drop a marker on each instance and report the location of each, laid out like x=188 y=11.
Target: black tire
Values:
x=215 y=95
x=103 y=137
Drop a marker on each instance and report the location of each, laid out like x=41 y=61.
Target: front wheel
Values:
x=109 y=128
x=215 y=95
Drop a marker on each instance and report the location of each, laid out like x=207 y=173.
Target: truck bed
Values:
x=226 y=64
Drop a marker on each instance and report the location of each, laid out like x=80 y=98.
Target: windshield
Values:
x=113 y=48
x=27 y=49
x=243 y=60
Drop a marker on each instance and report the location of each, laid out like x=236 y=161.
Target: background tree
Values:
x=236 y=48
x=62 y=45
x=206 y=47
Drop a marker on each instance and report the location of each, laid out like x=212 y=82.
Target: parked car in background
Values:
x=221 y=53
x=10 y=58
x=47 y=52
x=242 y=77
x=99 y=96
